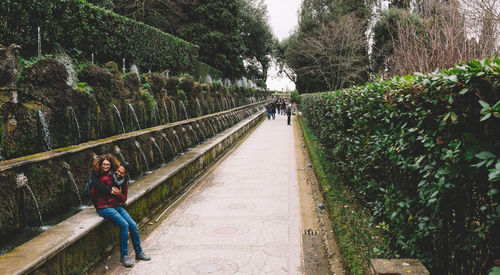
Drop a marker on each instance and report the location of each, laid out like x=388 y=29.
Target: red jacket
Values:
x=100 y=191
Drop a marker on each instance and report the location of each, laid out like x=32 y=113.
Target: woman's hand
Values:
x=116 y=191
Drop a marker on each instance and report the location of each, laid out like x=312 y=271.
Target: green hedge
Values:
x=80 y=28
x=358 y=239
x=422 y=152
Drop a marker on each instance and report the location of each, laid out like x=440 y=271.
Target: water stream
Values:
x=72 y=179
x=195 y=135
x=72 y=112
x=166 y=111
x=158 y=114
x=143 y=156
x=203 y=134
x=198 y=107
x=159 y=150
x=169 y=145
x=36 y=203
x=119 y=117
x=177 y=138
x=212 y=127
x=219 y=124
x=218 y=104
x=119 y=152
x=175 y=112
x=45 y=132
x=184 y=109
x=135 y=116
x=39 y=40
x=186 y=137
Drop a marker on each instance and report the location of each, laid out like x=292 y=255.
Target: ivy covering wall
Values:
x=422 y=152
x=82 y=29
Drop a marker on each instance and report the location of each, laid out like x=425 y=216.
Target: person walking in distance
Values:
x=269 y=110
x=289 y=113
x=273 y=109
x=108 y=192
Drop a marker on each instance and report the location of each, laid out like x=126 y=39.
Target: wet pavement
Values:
x=243 y=218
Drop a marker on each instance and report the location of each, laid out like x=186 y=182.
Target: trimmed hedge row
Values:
x=422 y=152
x=80 y=28
x=358 y=239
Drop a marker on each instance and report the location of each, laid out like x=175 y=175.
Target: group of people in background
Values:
x=280 y=105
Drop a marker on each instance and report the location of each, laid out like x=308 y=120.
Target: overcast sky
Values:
x=283 y=19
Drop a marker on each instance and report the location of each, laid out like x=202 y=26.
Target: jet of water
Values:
x=134 y=116
x=39 y=38
x=184 y=109
x=169 y=144
x=45 y=132
x=143 y=155
x=194 y=133
x=159 y=150
x=22 y=181
x=119 y=116
x=72 y=112
x=72 y=179
x=166 y=110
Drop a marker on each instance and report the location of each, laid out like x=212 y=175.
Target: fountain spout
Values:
x=21 y=181
x=143 y=156
x=119 y=152
x=153 y=140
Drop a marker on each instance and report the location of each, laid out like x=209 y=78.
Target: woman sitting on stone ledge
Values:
x=108 y=193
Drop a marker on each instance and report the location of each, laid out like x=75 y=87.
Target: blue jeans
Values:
x=119 y=216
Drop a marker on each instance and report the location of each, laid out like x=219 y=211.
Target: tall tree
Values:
x=257 y=39
x=214 y=26
x=319 y=22
x=437 y=34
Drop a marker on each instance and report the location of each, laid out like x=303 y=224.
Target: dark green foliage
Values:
x=295 y=97
x=171 y=85
x=187 y=85
x=358 y=239
x=81 y=29
x=213 y=25
x=156 y=81
x=423 y=153
x=96 y=76
x=257 y=39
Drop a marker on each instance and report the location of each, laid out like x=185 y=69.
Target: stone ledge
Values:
x=397 y=266
x=73 y=245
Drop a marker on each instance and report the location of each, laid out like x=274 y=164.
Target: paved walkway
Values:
x=243 y=219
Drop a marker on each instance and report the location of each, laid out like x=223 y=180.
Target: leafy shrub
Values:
x=422 y=153
x=295 y=96
x=358 y=239
x=187 y=84
x=172 y=85
x=81 y=29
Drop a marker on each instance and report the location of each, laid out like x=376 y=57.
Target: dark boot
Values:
x=127 y=262
x=143 y=257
